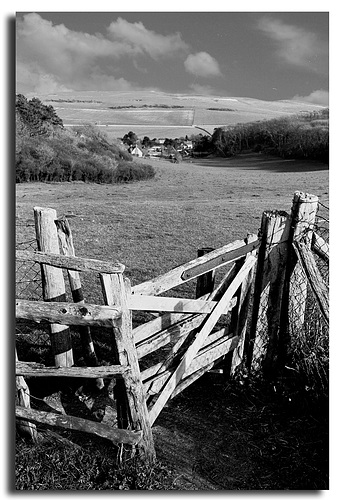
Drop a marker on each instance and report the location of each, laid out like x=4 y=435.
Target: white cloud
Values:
x=202 y=64
x=294 y=45
x=146 y=41
x=54 y=58
x=320 y=97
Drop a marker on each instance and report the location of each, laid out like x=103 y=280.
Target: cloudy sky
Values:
x=263 y=55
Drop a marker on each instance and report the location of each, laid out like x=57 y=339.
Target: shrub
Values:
x=45 y=151
x=129 y=172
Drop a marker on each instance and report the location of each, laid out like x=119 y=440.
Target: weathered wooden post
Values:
x=303 y=214
x=116 y=291
x=268 y=291
x=53 y=283
x=23 y=399
x=67 y=248
x=206 y=282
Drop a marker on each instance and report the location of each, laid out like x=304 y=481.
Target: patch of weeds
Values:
x=53 y=466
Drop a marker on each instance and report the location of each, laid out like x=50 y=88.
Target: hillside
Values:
x=157 y=114
x=47 y=151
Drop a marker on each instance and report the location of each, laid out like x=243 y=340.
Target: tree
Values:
x=130 y=139
x=146 y=143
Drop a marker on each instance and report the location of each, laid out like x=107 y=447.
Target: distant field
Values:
x=94 y=107
x=158 y=117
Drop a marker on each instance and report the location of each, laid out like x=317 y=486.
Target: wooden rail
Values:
x=70 y=262
x=66 y=313
x=117 y=436
x=195 y=268
x=31 y=369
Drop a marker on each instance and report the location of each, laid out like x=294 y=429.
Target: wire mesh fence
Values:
x=32 y=340
x=321 y=229
x=28 y=282
x=309 y=332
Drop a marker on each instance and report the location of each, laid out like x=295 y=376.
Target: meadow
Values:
x=152 y=226
x=204 y=202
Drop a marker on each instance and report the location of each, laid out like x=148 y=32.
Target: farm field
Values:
x=155 y=225
x=156 y=110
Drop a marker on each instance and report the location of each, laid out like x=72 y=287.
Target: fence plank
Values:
x=215 y=347
x=199 y=339
x=172 y=333
x=318 y=285
x=69 y=262
x=195 y=322
x=67 y=313
x=241 y=317
x=226 y=346
x=53 y=283
x=165 y=321
x=31 y=369
x=117 y=436
x=196 y=267
x=169 y=304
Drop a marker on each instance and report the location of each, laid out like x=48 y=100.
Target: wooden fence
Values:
x=192 y=330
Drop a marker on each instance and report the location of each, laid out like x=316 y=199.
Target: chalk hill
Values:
x=158 y=114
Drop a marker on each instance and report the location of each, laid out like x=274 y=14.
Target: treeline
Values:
x=45 y=151
x=301 y=137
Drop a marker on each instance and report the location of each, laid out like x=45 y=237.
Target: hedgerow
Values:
x=300 y=137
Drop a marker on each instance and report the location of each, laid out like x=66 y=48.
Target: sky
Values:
x=263 y=55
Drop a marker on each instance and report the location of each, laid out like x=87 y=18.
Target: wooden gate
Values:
x=190 y=325
x=187 y=326
x=156 y=360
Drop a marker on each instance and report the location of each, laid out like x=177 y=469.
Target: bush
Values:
x=129 y=172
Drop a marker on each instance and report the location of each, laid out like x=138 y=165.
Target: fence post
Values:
x=303 y=214
x=53 y=283
x=23 y=399
x=67 y=248
x=115 y=291
x=268 y=292
x=206 y=282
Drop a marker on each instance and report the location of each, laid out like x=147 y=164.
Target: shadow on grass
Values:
x=256 y=161
x=245 y=439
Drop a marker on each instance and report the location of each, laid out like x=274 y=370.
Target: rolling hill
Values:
x=157 y=114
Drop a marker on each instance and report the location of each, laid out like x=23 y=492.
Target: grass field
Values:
x=152 y=226
x=78 y=107
x=205 y=203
